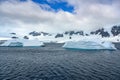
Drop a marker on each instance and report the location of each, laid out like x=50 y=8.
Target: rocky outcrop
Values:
x=101 y=32
x=115 y=30
x=74 y=33
x=59 y=35
x=26 y=37
x=13 y=33
x=34 y=33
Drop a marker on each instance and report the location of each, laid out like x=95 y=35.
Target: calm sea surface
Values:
x=55 y=63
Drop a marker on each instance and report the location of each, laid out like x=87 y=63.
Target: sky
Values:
x=24 y=16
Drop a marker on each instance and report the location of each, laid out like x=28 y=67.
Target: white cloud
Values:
x=23 y=17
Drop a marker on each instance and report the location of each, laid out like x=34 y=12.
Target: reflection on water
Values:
x=55 y=63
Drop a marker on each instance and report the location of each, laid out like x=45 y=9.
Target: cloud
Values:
x=24 y=17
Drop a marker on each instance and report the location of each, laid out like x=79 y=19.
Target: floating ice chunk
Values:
x=89 y=45
x=22 y=42
x=11 y=43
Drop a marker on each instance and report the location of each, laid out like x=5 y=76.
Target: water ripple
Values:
x=56 y=63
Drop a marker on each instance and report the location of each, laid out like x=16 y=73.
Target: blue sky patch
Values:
x=57 y=5
x=23 y=0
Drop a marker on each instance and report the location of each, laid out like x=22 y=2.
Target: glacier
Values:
x=89 y=45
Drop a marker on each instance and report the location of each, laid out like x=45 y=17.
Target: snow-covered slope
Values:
x=31 y=42
x=4 y=38
x=115 y=39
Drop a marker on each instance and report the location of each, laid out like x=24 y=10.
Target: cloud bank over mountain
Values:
x=23 y=16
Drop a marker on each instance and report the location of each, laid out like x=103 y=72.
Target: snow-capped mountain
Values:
x=115 y=31
x=69 y=35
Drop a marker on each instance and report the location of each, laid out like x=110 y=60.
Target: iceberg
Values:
x=22 y=42
x=15 y=44
x=89 y=45
x=12 y=44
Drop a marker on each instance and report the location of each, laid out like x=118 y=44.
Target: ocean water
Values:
x=55 y=63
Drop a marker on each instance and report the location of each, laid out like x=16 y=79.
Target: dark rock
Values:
x=71 y=33
x=26 y=37
x=115 y=30
x=101 y=32
x=59 y=35
x=79 y=33
x=45 y=34
x=14 y=37
x=34 y=33
x=87 y=34
x=13 y=33
x=74 y=33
